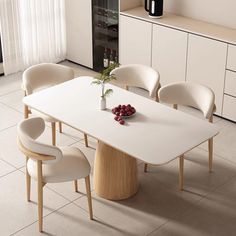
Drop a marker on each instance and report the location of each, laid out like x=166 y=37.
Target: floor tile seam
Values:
x=218 y=119
x=81 y=140
x=11 y=172
x=218 y=155
x=11 y=107
x=218 y=187
x=194 y=204
x=89 y=146
x=227 y=160
x=51 y=189
x=25 y=227
x=202 y=198
x=50 y=213
x=160 y=226
x=11 y=126
x=197 y=202
x=21 y=167
x=94 y=216
x=80 y=206
x=21 y=170
x=56 y=192
x=8 y=93
x=8 y=163
x=85 y=196
x=188 y=209
x=67 y=135
x=71 y=144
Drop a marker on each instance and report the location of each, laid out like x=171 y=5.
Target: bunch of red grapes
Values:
x=123 y=111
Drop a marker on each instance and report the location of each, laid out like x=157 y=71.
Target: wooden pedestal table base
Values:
x=115 y=173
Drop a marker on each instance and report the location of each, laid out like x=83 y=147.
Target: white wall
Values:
x=128 y=4
x=222 y=12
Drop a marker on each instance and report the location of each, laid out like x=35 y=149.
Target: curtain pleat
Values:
x=32 y=31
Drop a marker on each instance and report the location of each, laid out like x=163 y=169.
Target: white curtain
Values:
x=32 y=31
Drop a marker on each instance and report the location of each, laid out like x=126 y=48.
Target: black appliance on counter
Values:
x=154 y=8
x=105 y=33
x=1 y=59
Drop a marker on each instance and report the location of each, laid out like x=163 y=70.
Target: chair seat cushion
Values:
x=74 y=165
x=43 y=116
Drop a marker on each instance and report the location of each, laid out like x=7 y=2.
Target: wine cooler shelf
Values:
x=105 y=33
x=110 y=14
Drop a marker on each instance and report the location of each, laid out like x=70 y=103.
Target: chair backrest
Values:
x=189 y=94
x=45 y=75
x=28 y=131
x=136 y=75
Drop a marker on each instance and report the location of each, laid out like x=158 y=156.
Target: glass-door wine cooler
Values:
x=105 y=33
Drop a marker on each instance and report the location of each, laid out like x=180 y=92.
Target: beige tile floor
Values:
x=207 y=206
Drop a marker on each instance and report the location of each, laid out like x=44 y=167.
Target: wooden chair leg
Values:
x=60 y=127
x=76 y=185
x=88 y=190
x=210 y=153
x=86 y=140
x=175 y=106
x=145 y=167
x=40 y=195
x=28 y=181
x=26 y=112
x=181 y=172
x=53 y=133
x=157 y=96
x=26 y=109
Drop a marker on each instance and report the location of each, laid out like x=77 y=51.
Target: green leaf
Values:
x=108 y=92
x=97 y=82
x=106 y=76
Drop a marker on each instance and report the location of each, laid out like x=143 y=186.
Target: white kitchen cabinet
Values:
x=79 y=32
x=231 y=61
x=169 y=52
x=229 y=110
x=206 y=65
x=230 y=83
x=135 y=41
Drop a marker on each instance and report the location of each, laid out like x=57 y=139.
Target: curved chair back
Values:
x=28 y=131
x=45 y=75
x=135 y=75
x=189 y=94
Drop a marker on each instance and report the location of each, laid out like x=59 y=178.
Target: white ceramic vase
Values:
x=103 y=104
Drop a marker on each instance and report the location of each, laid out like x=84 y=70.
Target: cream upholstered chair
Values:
x=42 y=76
x=141 y=76
x=193 y=95
x=50 y=164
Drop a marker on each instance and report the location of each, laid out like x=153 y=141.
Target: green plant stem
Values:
x=103 y=87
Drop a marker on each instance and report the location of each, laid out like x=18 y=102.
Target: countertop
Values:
x=189 y=25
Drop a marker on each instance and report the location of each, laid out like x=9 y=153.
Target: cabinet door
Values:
x=135 y=41
x=169 y=52
x=206 y=65
x=79 y=31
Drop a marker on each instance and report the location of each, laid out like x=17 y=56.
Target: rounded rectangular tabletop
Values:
x=157 y=133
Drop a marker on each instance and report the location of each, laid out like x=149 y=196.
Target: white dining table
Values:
x=156 y=134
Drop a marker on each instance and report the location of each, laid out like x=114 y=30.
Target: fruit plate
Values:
x=125 y=117
x=124 y=111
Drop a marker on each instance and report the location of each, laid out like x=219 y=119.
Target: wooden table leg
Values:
x=115 y=173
